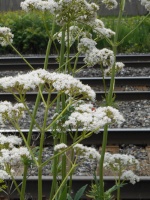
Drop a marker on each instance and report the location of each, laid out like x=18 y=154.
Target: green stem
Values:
x=70 y=59
x=68 y=66
x=101 y=170
x=37 y=102
x=41 y=149
x=62 y=49
x=118 y=189
x=67 y=149
x=118 y=182
x=64 y=181
x=54 y=173
x=112 y=82
x=133 y=29
x=16 y=186
x=48 y=127
x=110 y=100
x=8 y=169
x=28 y=142
x=71 y=162
x=21 y=56
x=75 y=64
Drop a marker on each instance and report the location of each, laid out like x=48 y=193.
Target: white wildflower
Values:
x=6 y=36
x=29 y=5
x=119 y=161
x=104 y=32
x=97 y=23
x=10 y=140
x=129 y=175
x=103 y=57
x=146 y=3
x=92 y=119
x=87 y=152
x=110 y=4
x=75 y=11
x=4 y=175
x=60 y=147
x=9 y=111
x=86 y=45
x=118 y=67
x=14 y=156
x=60 y=82
x=74 y=33
x=23 y=151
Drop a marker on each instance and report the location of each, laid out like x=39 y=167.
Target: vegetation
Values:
x=30 y=36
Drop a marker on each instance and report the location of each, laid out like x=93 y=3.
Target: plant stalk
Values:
x=109 y=100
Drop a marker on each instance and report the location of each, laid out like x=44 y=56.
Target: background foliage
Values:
x=30 y=36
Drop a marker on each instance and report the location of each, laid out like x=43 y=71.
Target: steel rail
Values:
x=116 y=136
x=138 y=191
x=96 y=81
x=119 y=81
x=16 y=63
x=119 y=95
x=53 y=58
x=54 y=66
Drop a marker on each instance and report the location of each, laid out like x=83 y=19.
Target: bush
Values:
x=138 y=40
x=31 y=33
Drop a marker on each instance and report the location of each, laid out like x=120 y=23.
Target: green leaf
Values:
x=80 y=193
x=69 y=197
x=115 y=187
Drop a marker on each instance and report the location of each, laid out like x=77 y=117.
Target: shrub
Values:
x=30 y=37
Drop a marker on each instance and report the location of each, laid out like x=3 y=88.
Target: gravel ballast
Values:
x=136 y=114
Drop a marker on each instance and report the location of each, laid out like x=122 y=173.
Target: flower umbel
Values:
x=58 y=81
x=129 y=175
x=6 y=36
x=110 y=4
x=92 y=119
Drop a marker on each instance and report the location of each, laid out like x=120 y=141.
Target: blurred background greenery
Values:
x=31 y=32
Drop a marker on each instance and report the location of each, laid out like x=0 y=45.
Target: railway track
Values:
x=140 y=89
x=116 y=136
x=11 y=63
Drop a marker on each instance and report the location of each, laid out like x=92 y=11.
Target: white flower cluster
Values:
x=92 y=119
x=9 y=111
x=59 y=81
x=86 y=45
x=4 y=175
x=80 y=150
x=87 y=152
x=29 y=5
x=119 y=161
x=104 y=57
x=146 y=3
x=74 y=33
x=98 y=27
x=11 y=155
x=6 y=36
x=129 y=175
x=9 y=141
x=118 y=67
x=75 y=10
x=110 y=4
x=14 y=156
x=60 y=147
x=104 y=32
x=95 y=56
x=64 y=10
